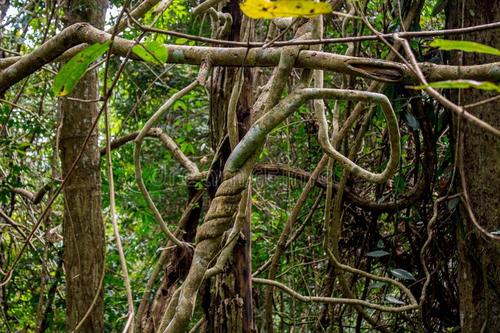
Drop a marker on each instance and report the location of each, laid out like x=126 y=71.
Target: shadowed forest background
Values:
x=176 y=166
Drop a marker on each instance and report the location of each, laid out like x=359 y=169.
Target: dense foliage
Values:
x=383 y=228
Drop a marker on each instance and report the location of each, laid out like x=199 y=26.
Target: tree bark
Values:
x=176 y=268
x=478 y=275
x=228 y=302
x=83 y=222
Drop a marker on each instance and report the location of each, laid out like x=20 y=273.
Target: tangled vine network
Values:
x=365 y=241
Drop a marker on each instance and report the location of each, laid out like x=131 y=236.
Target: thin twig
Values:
x=460 y=111
x=342 y=40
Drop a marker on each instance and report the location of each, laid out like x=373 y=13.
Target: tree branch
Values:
x=170 y=144
x=287 y=171
x=333 y=300
x=19 y=67
x=35 y=198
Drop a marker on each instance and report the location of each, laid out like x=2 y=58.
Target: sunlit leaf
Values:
x=265 y=9
x=460 y=84
x=402 y=274
x=463 y=45
x=72 y=71
x=181 y=41
x=377 y=254
x=151 y=51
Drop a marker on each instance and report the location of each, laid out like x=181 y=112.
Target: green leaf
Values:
x=411 y=121
x=394 y=300
x=151 y=51
x=376 y=285
x=72 y=71
x=399 y=184
x=402 y=274
x=181 y=41
x=462 y=45
x=377 y=254
x=460 y=84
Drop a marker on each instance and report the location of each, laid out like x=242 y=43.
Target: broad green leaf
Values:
x=402 y=274
x=181 y=41
x=151 y=51
x=461 y=84
x=266 y=9
x=72 y=71
x=462 y=45
x=377 y=253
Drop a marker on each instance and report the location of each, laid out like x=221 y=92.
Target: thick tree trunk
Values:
x=229 y=305
x=83 y=223
x=479 y=275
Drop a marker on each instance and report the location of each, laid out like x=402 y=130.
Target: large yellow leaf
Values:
x=266 y=9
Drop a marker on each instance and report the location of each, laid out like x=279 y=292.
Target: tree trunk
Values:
x=229 y=304
x=83 y=223
x=478 y=276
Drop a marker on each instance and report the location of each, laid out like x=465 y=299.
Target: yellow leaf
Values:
x=266 y=9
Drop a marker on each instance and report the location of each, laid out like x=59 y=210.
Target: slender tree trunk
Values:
x=478 y=276
x=83 y=223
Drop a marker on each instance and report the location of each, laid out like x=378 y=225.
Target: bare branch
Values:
x=333 y=300
x=19 y=67
x=35 y=198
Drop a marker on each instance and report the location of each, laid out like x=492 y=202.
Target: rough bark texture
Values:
x=479 y=277
x=83 y=223
x=229 y=300
x=176 y=268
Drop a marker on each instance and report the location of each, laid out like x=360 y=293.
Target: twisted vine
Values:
x=192 y=168
x=224 y=206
